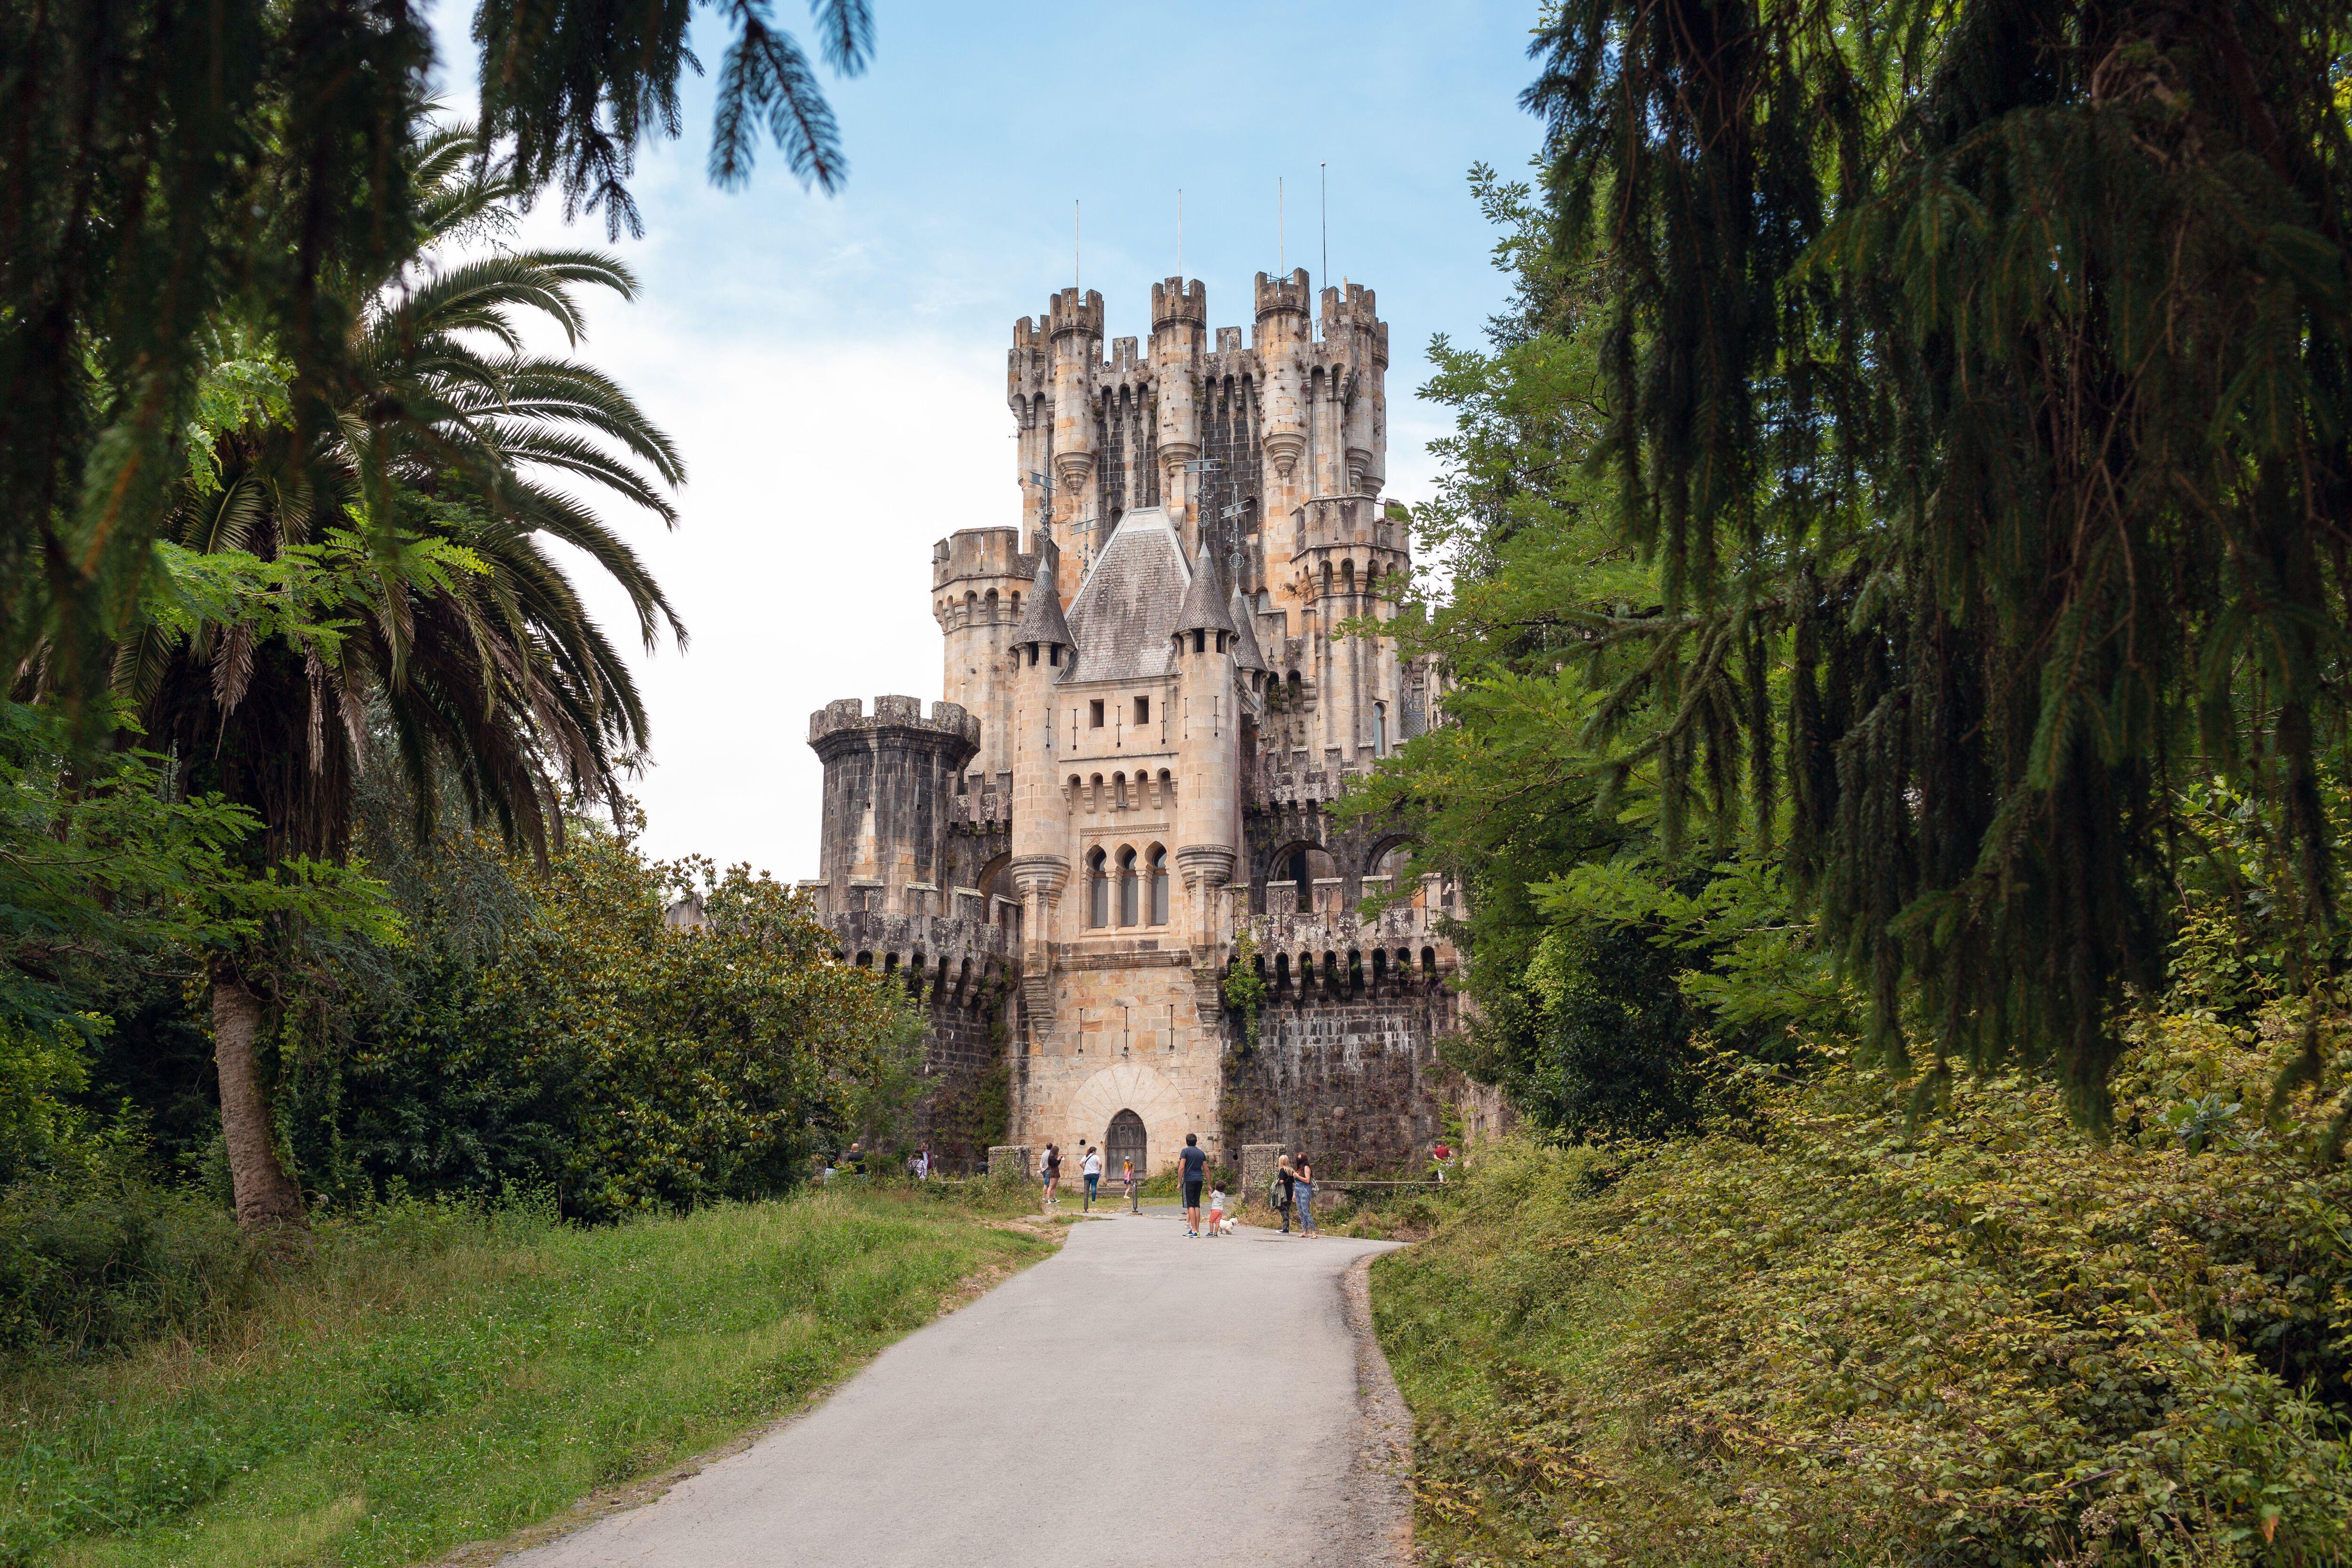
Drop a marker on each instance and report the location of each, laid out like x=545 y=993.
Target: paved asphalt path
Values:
x=1139 y=1400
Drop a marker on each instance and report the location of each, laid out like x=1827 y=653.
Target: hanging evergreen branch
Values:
x=1983 y=368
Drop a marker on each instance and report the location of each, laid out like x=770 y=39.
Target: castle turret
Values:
x=1044 y=652
x=1282 y=332
x=1076 y=327
x=1180 y=327
x=889 y=784
x=1208 y=786
x=1358 y=341
x=977 y=583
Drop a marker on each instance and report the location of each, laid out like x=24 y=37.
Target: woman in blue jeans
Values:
x=1304 y=1192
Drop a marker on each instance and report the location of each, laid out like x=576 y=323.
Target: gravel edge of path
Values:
x=1380 y=1478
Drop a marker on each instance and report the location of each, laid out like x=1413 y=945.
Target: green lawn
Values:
x=427 y=1378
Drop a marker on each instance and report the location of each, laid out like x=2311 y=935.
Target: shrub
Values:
x=95 y=1258
x=1989 y=1338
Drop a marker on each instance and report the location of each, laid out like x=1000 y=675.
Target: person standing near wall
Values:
x=1286 y=1181
x=1304 y=1192
x=1053 y=1171
x=1091 y=1169
x=1195 y=1161
x=1126 y=1174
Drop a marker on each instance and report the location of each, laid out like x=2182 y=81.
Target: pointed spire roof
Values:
x=1246 y=652
x=1041 y=619
x=1203 y=609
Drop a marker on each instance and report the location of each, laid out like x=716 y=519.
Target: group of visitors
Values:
x=1090 y=1169
x=1294 y=1187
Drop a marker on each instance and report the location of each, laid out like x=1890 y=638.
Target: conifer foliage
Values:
x=1978 y=373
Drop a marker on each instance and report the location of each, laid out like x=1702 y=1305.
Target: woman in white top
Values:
x=1091 y=1167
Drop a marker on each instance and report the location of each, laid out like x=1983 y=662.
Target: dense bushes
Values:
x=1844 y=1336
x=546 y=1030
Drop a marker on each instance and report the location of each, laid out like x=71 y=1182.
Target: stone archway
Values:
x=1130 y=1086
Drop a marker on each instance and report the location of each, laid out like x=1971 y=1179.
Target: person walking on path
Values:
x=1126 y=1174
x=1286 y=1181
x=1195 y=1159
x=1303 y=1190
x=1053 y=1171
x=1091 y=1166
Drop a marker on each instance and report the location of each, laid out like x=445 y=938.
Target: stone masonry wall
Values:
x=1356 y=1084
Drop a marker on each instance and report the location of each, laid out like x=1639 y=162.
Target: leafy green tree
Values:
x=456 y=644
x=167 y=165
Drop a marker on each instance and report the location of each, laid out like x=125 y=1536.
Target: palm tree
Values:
x=495 y=676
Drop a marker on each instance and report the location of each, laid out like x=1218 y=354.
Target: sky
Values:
x=833 y=367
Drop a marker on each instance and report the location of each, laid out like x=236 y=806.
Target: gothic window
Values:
x=1159 y=886
x=1127 y=913
x=1379 y=729
x=1098 y=891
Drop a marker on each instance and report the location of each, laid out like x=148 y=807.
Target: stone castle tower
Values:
x=1153 y=689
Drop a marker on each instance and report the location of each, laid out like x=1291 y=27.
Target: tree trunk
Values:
x=264 y=1193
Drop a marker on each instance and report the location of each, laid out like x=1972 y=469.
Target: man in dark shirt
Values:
x=1194 y=1160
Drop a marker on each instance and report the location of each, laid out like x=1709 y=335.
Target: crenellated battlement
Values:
x=1179 y=301
x=948 y=721
x=1067 y=312
x=1282 y=296
x=981 y=553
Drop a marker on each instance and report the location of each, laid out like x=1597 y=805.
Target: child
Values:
x=1217 y=1211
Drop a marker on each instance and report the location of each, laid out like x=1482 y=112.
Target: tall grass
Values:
x=428 y=1376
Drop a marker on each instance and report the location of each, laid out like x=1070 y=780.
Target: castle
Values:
x=1147 y=711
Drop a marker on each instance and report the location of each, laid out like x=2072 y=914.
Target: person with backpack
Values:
x=1286 y=1179
x=1053 y=1171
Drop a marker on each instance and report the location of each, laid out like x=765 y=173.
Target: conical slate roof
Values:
x=1246 y=654
x=1203 y=609
x=1041 y=619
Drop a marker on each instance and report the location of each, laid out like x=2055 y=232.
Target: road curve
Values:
x=1141 y=1399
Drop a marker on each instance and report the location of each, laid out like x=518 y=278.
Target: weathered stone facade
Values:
x=1150 y=706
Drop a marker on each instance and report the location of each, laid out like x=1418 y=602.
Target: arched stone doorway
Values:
x=1123 y=1142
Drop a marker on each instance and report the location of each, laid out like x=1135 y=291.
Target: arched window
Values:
x=1347 y=577
x=1159 y=866
x=1297 y=691
x=971 y=607
x=988 y=603
x=1016 y=608
x=1326 y=579
x=1098 y=891
x=1127 y=913
x=1118 y=791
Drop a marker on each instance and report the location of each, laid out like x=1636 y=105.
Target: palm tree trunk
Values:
x=264 y=1193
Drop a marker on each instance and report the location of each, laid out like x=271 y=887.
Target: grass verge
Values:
x=1834 y=1336
x=428 y=1377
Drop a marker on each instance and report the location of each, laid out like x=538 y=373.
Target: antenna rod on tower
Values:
x=1281 y=253
x=1075 y=279
x=1325 y=169
x=1180 y=231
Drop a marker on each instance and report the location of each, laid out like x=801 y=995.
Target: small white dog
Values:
x=1225 y=1228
